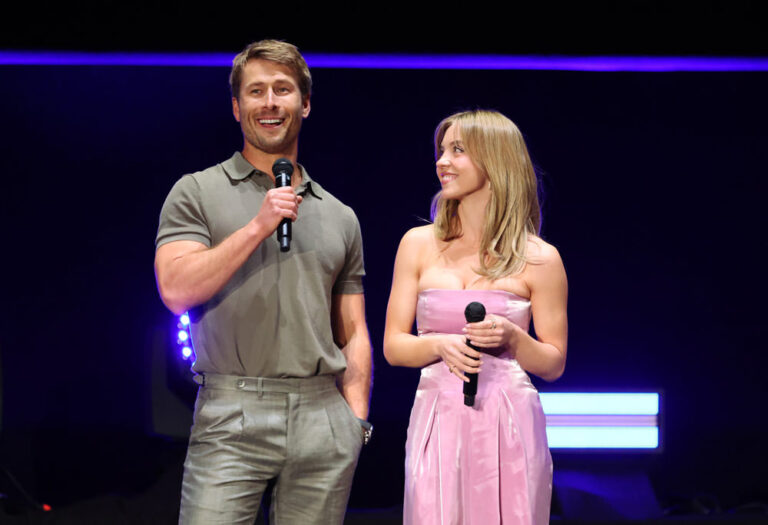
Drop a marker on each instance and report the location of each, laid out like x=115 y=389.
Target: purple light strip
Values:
x=550 y=63
x=372 y=61
x=76 y=58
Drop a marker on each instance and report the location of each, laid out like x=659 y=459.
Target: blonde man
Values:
x=274 y=332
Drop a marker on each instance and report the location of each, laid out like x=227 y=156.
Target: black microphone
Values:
x=473 y=313
x=282 y=169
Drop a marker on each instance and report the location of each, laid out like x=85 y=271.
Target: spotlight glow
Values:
x=603 y=437
x=183 y=337
x=399 y=61
x=602 y=421
x=593 y=403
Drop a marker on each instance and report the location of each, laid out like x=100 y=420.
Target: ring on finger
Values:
x=493 y=323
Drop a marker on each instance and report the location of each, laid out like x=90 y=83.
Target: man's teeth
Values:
x=270 y=121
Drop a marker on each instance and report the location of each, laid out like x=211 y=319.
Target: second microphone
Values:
x=473 y=313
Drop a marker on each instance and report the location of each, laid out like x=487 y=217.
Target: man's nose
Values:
x=270 y=100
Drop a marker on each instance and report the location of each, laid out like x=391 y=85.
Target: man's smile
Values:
x=270 y=122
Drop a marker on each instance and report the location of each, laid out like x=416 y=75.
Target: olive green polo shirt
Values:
x=273 y=317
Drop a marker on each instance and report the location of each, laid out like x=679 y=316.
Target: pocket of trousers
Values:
x=218 y=413
x=344 y=423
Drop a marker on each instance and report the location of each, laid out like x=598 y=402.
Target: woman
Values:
x=488 y=463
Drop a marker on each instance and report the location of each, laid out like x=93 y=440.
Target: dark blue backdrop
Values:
x=654 y=188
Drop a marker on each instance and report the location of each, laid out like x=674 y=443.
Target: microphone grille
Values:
x=474 y=312
x=282 y=165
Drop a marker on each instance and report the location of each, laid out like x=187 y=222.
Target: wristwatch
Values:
x=367 y=430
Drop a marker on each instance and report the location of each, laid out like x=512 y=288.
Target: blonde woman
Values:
x=488 y=463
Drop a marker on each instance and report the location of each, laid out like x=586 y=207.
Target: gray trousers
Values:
x=248 y=431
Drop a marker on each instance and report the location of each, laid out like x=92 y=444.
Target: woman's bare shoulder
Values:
x=541 y=253
x=420 y=236
x=414 y=248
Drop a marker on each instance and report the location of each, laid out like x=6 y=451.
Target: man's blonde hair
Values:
x=274 y=51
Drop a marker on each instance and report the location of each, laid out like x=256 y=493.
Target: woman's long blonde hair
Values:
x=496 y=146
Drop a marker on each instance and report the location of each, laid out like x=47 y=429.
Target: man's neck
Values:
x=263 y=162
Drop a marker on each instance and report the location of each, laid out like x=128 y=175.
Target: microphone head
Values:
x=282 y=165
x=282 y=169
x=474 y=312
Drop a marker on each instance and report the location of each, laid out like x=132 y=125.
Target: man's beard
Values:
x=271 y=145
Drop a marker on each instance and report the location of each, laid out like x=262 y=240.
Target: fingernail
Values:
x=464 y=330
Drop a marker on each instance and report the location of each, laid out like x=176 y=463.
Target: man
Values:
x=274 y=332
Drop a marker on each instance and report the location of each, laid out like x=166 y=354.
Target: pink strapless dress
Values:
x=480 y=465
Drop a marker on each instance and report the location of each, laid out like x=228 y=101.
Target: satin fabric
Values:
x=481 y=465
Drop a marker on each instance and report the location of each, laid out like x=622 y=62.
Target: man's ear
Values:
x=236 y=108
x=305 y=107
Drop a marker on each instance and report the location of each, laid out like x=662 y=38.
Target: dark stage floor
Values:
x=134 y=493
x=117 y=511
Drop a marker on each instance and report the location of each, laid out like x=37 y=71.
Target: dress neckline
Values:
x=474 y=290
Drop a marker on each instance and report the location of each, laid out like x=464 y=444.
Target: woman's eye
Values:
x=457 y=149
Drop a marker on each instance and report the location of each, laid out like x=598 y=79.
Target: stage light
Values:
x=183 y=337
x=597 y=403
x=602 y=437
x=400 y=61
x=587 y=420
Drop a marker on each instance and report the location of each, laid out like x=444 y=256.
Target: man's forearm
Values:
x=356 y=379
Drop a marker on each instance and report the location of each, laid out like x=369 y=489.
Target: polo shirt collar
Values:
x=237 y=168
x=308 y=185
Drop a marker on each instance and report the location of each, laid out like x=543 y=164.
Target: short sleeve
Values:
x=182 y=217
x=350 y=279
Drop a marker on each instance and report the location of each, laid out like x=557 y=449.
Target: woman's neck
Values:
x=472 y=216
